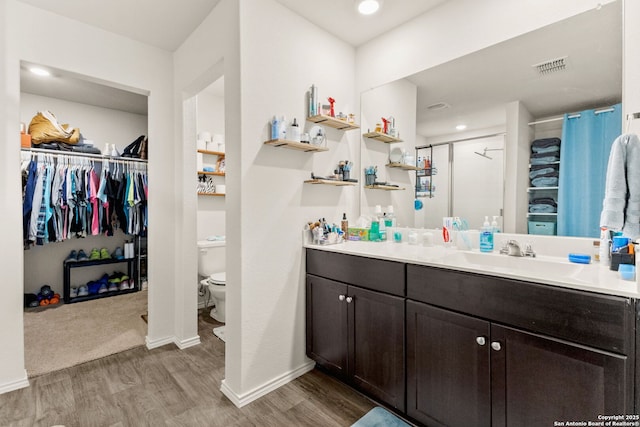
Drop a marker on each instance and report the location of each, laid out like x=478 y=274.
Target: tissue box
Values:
x=358 y=233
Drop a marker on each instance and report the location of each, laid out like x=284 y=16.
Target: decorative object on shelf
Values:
x=331 y=107
x=385 y=128
x=205 y=184
x=317 y=136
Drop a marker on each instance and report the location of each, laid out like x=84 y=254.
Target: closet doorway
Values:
x=85 y=257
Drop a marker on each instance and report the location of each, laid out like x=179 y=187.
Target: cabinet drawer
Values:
x=600 y=321
x=374 y=274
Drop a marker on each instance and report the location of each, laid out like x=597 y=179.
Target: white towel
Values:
x=621 y=204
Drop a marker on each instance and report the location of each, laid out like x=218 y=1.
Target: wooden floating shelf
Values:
x=212 y=194
x=383 y=187
x=383 y=137
x=403 y=166
x=213 y=153
x=332 y=122
x=294 y=145
x=211 y=173
x=330 y=182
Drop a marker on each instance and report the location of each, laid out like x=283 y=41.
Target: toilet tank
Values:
x=211 y=257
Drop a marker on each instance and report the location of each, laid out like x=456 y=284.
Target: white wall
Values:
x=12 y=372
x=211 y=210
x=92 y=52
x=102 y=125
x=397 y=99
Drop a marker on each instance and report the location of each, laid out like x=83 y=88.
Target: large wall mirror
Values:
x=529 y=85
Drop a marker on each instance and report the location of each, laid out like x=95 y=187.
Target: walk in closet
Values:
x=85 y=220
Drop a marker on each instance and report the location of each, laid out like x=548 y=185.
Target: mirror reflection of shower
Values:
x=484 y=152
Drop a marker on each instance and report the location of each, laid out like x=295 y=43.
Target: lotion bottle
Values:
x=275 y=128
x=344 y=225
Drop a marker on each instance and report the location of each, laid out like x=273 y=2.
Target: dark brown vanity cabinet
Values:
x=357 y=332
x=482 y=352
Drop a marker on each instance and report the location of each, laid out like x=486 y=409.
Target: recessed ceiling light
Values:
x=461 y=127
x=368 y=7
x=39 y=71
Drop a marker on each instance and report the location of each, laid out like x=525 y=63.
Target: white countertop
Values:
x=553 y=271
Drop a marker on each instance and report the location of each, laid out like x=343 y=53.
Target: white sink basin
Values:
x=536 y=267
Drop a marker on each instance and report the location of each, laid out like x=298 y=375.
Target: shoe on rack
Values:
x=95 y=254
x=112 y=287
x=104 y=254
x=82 y=256
x=118 y=254
x=124 y=285
x=93 y=286
x=83 y=290
x=72 y=257
x=115 y=278
x=73 y=292
x=103 y=288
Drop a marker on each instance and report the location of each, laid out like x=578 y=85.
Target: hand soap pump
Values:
x=294 y=131
x=486 y=236
x=494 y=224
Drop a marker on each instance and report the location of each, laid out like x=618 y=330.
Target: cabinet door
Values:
x=537 y=380
x=376 y=345
x=327 y=324
x=448 y=375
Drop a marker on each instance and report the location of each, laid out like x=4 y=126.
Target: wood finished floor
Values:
x=171 y=387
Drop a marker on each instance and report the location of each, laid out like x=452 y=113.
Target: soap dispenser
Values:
x=494 y=224
x=486 y=236
x=294 y=131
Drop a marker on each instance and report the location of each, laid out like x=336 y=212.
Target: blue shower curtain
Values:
x=584 y=153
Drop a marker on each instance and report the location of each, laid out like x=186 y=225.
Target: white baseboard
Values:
x=151 y=344
x=15 y=385
x=188 y=342
x=243 y=399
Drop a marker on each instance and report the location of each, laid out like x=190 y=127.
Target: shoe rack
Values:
x=132 y=272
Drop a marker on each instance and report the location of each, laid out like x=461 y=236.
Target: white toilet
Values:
x=211 y=265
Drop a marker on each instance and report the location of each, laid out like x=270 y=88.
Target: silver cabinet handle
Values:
x=349 y=299
x=481 y=340
x=496 y=346
x=341 y=297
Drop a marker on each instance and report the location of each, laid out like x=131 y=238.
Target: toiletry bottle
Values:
x=390 y=214
x=283 y=128
x=275 y=128
x=494 y=224
x=605 y=245
x=294 y=131
x=486 y=236
x=374 y=230
x=344 y=225
x=383 y=226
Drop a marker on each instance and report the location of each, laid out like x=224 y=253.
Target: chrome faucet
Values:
x=512 y=248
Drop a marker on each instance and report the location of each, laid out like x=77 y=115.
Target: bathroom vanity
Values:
x=447 y=345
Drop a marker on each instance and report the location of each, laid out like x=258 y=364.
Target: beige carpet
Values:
x=62 y=336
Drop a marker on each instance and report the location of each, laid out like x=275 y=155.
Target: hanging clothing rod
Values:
x=571 y=116
x=87 y=155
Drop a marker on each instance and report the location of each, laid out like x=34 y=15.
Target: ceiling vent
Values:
x=438 y=106
x=551 y=66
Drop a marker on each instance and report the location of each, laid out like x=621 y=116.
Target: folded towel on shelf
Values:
x=545 y=142
x=544 y=201
x=542 y=208
x=621 y=204
x=540 y=170
x=551 y=149
x=545 y=159
x=545 y=181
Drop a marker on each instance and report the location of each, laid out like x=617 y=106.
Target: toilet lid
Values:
x=219 y=278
